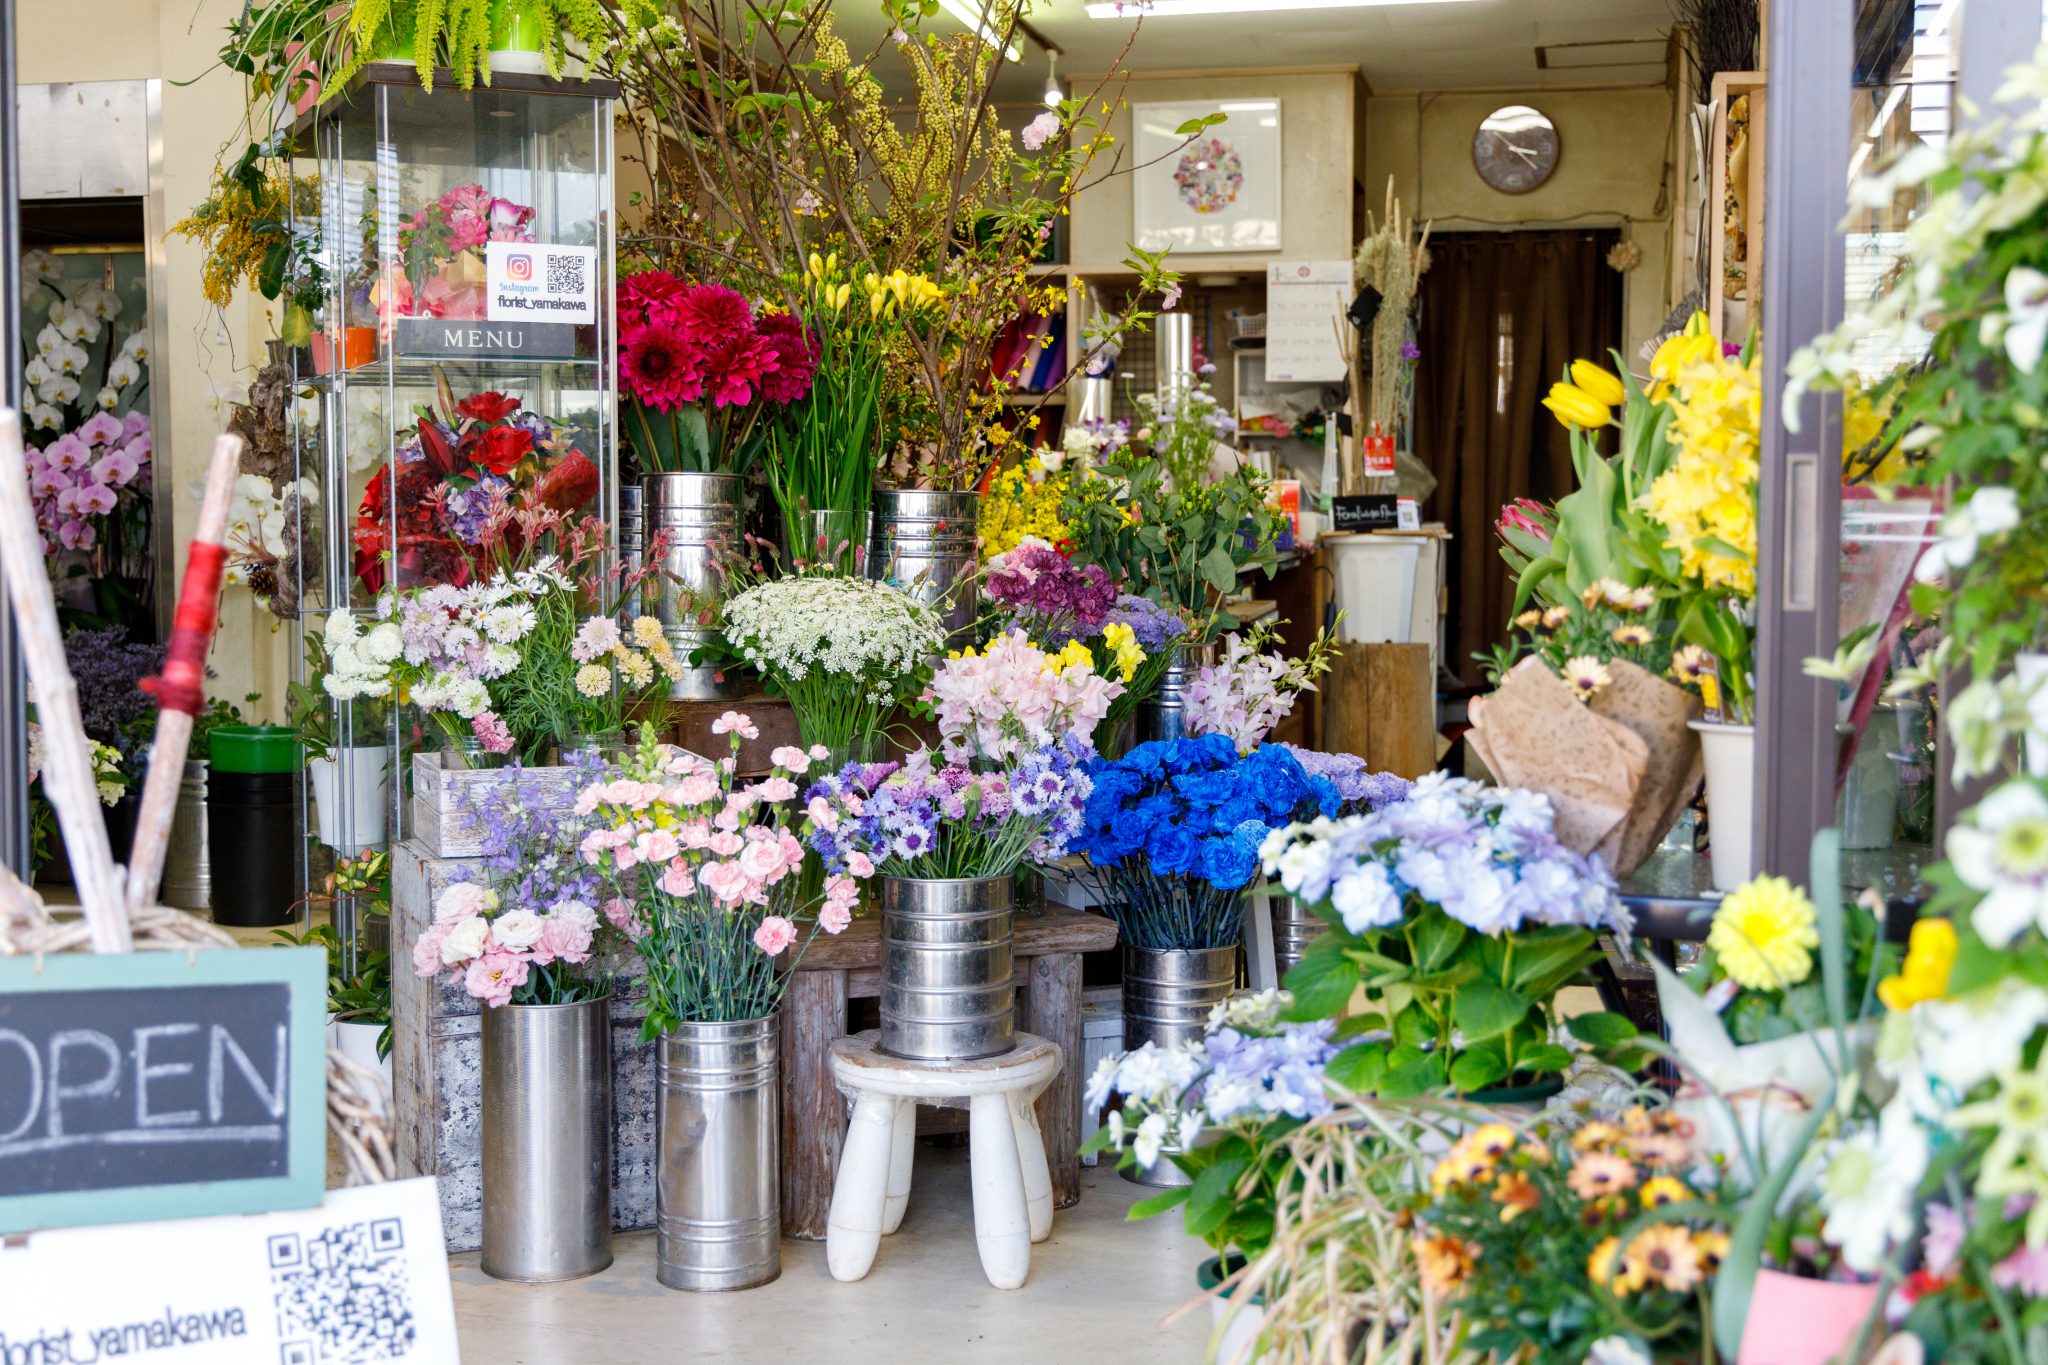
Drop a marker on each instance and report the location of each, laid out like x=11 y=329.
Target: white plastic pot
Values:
x=1730 y=753
x=358 y=1043
x=353 y=821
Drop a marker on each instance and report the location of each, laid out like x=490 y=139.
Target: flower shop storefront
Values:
x=819 y=729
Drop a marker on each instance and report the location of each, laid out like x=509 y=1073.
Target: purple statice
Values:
x=1359 y=789
x=1038 y=583
x=469 y=508
x=1488 y=857
x=1153 y=625
x=109 y=669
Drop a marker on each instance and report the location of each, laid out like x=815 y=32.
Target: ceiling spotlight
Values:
x=1053 y=93
x=970 y=13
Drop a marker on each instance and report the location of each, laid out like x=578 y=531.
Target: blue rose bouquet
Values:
x=1172 y=832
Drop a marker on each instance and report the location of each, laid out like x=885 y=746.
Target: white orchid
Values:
x=108 y=398
x=43 y=417
x=37 y=372
x=59 y=390
x=123 y=370
x=79 y=326
x=2002 y=851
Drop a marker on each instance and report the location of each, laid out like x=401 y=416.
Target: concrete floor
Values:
x=1098 y=1291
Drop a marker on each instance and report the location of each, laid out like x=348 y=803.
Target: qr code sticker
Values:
x=341 y=1294
x=565 y=274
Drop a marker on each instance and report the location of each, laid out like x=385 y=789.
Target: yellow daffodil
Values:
x=1764 y=934
x=1599 y=384
x=1576 y=408
x=1930 y=956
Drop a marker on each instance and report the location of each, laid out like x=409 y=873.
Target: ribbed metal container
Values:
x=947 y=993
x=702 y=515
x=1295 y=926
x=718 y=1190
x=632 y=542
x=923 y=541
x=1162 y=715
x=547 y=1148
x=1168 y=993
x=188 y=875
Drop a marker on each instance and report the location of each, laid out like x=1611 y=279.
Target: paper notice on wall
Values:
x=362 y=1278
x=1305 y=303
x=539 y=282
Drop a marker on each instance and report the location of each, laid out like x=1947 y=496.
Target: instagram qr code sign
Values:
x=362 y=1278
x=540 y=282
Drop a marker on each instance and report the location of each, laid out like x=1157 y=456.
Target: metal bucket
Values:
x=947 y=993
x=632 y=543
x=1168 y=993
x=923 y=542
x=547 y=1149
x=1295 y=926
x=701 y=514
x=718 y=1192
x=1162 y=715
x=188 y=876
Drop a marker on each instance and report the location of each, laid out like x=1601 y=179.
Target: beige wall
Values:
x=1612 y=172
x=1317 y=121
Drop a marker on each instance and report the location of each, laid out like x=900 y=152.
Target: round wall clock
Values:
x=1515 y=149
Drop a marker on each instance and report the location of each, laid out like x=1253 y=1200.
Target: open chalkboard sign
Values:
x=150 y=1085
x=1364 y=512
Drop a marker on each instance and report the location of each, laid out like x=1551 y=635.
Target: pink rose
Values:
x=775 y=934
x=493 y=977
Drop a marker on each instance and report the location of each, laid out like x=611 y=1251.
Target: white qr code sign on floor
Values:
x=539 y=282
x=360 y=1279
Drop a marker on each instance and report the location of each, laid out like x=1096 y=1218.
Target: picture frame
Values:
x=1220 y=193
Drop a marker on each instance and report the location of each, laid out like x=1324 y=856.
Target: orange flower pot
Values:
x=358 y=348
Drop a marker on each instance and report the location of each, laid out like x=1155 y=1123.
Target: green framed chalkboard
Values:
x=153 y=1085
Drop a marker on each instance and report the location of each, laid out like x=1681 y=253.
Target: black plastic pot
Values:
x=252 y=839
x=120 y=821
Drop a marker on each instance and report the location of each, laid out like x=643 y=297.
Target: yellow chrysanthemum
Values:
x=1764 y=934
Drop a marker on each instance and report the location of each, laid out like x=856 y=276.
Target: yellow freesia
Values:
x=1598 y=384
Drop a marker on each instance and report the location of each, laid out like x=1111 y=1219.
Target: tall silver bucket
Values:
x=1168 y=993
x=188 y=875
x=923 y=542
x=702 y=515
x=1163 y=714
x=718 y=1192
x=632 y=543
x=947 y=993
x=1295 y=926
x=547 y=1158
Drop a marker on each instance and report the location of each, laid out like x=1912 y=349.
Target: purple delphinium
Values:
x=530 y=836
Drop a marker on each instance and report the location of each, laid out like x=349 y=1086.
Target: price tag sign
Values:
x=362 y=1278
x=1377 y=456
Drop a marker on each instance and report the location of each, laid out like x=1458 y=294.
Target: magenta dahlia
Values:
x=796 y=355
x=661 y=368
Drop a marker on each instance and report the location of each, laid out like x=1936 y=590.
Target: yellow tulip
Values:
x=1577 y=408
x=1599 y=385
x=1678 y=352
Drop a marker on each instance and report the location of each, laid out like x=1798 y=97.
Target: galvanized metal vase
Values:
x=188 y=876
x=718 y=1185
x=923 y=542
x=701 y=514
x=547 y=1149
x=632 y=543
x=1295 y=927
x=1163 y=714
x=947 y=992
x=1168 y=993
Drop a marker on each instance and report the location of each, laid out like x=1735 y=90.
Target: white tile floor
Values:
x=1099 y=1289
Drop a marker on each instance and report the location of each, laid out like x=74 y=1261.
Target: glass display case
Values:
x=455 y=251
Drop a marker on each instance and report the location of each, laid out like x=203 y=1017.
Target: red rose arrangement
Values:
x=463 y=473
x=698 y=365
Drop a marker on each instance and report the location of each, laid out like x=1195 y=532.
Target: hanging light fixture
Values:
x=1053 y=93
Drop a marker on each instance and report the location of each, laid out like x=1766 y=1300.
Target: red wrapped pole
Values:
x=181 y=689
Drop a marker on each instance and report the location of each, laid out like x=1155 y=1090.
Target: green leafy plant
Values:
x=364 y=995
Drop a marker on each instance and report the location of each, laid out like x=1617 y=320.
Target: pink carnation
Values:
x=676 y=879
x=618 y=912
x=761 y=860
x=776 y=789
x=734 y=721
x=790 y=757
x=858 y=864
x=775 y=934
x=833 y=917
x=657 y=846
x=725 y=881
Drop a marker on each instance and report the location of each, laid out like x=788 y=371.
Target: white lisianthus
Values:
x=465 y=941
x=517 y=930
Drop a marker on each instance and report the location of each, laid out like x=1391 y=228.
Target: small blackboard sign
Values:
x=1365 y=512
x=161 y=1085
x=476 y=339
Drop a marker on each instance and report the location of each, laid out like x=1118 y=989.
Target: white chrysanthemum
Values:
x=509 y=624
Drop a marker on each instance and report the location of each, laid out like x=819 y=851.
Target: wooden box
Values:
x=437 y=1067
x=447 y=803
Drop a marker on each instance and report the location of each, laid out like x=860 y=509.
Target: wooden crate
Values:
x=447 y=803
x=437 y=1067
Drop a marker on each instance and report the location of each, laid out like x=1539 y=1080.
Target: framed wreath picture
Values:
x=1216 y=192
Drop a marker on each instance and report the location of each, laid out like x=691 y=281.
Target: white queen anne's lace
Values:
x=846 y=626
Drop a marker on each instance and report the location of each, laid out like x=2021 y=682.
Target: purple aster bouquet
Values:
x=918 y=820
x=1229 y=1099
x=1172 y=832
x=1462 y=915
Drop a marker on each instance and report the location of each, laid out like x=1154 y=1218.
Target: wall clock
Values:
x=1515 y=149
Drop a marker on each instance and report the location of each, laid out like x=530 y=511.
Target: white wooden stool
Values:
x=1012 y=1186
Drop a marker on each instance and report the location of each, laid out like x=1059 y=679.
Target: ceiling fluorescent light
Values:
x=1159 y=9
x=969 y=13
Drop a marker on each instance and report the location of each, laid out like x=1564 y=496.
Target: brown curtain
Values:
x=1503 y=313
